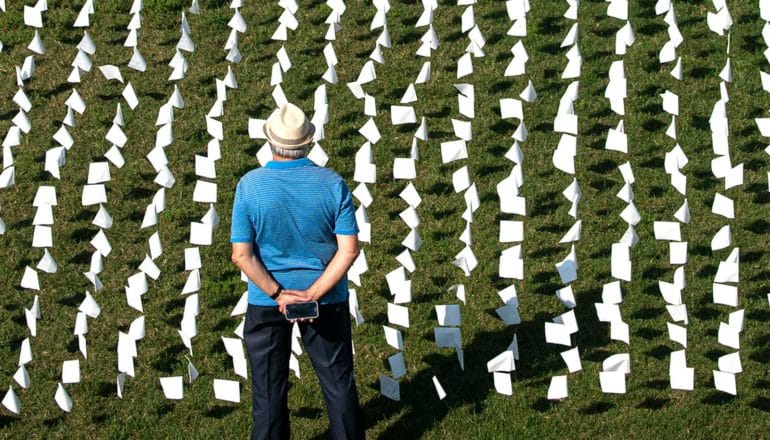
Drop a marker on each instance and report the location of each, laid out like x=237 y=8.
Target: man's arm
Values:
x=347 y=251
x=243 y=257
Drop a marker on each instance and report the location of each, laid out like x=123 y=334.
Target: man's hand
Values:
x=289 y=296
x=304 y=294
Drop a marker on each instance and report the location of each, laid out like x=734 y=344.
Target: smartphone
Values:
x=303 y=310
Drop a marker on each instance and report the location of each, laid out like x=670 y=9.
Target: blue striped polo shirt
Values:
x=291 y=211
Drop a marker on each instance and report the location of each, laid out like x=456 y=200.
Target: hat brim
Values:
x=289 y=144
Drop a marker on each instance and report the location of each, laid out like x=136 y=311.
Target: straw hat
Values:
x=289 y=128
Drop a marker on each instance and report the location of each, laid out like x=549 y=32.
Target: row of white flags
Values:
x=680 y=375
x=562 y=328
x=725 y=285
x=202 y=232
x=511 y=262
x=616 y=367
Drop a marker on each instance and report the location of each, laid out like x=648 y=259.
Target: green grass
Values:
x=472 y=409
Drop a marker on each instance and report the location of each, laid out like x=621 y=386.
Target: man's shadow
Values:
x=420 y=410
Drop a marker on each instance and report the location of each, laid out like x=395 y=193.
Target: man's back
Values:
x=294 y=211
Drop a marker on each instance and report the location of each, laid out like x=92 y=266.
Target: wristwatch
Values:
x=277 y=292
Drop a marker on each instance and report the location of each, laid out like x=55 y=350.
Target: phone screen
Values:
x=304 y=310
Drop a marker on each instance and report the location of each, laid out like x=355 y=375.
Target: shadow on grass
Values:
x=653 y=125
x=427 y=298
x=653 y=403
x=762 y=351
x=761 y=403
x=169 y=358
x=224 y=324
x=651 y=29
x=648 y=333
x=758 y=226
x=543 y=405
x=718 y=398
x=647 y=313
x=659 y=352
x=220 y=411
x=597 y=408
x=6 y=421
x=545 y=252
x=53 y=421
x=61 y=88
x=307 y=412
x=657 y=384
x=550 y=26
x=419 y=410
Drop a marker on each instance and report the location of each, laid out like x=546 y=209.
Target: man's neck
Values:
x=278 y=158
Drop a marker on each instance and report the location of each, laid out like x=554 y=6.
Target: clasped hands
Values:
x=289 y=296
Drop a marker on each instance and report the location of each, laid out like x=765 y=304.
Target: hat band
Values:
x=293 y=142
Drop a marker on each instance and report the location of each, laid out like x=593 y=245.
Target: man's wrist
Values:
x=277 y=293
x=311 y=295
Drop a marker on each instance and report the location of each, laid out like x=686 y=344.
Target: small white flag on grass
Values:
x=173 y=387
x=22 y=377
x=30 y=279
x=63 y=399
x=227 y=390
x=439 y=389
x=11 y=401
x=558 y=388
x=70 y=371
x=389 y=388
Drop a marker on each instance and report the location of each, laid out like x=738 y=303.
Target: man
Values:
x=294 y=235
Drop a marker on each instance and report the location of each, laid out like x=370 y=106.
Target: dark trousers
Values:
x=327 y=342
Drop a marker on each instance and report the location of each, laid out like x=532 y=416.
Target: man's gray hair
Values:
x=295 y=153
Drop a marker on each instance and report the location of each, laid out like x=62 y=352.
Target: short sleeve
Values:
x=241 y=229
x=345 y=223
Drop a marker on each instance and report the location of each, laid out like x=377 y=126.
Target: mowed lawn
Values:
x=472 y=408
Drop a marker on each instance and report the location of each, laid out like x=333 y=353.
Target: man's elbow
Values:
x=238 y=257
x=347 y=247
x=352 y=251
